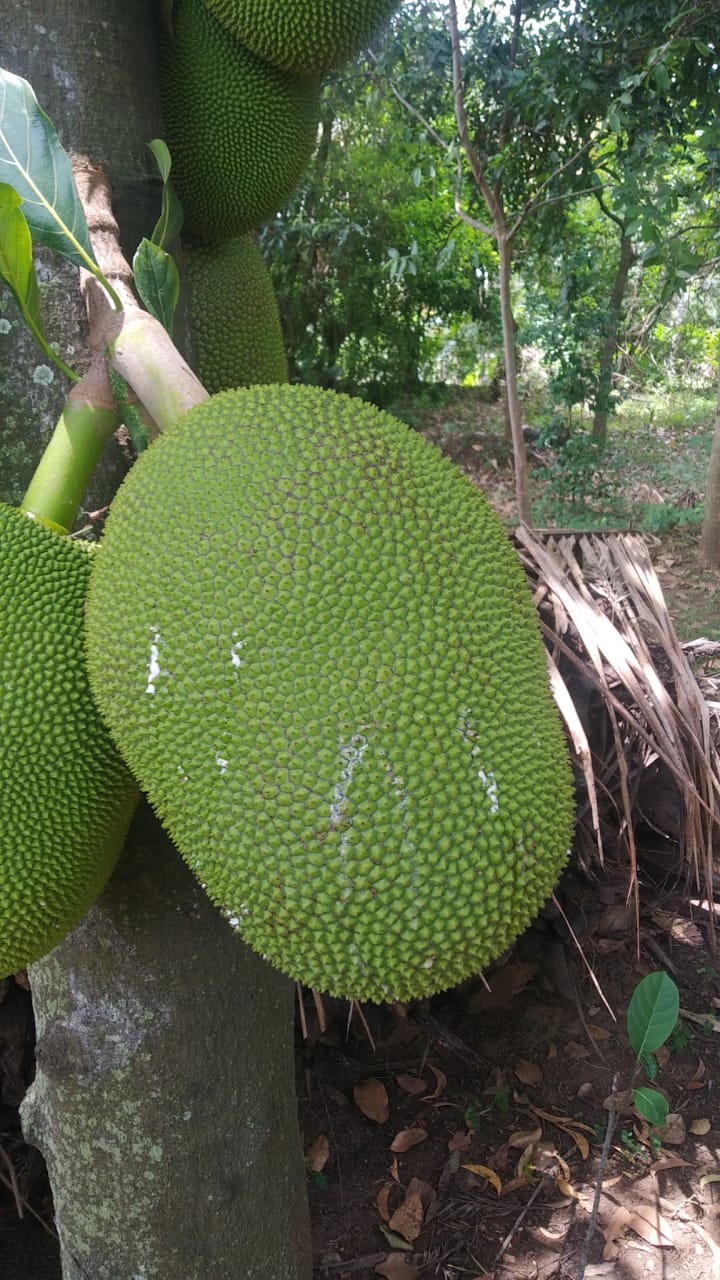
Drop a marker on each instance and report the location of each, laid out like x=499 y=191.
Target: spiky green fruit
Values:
x=240 y=131
x=66 y=798
x=235 y=318
x=308 y=36
x=316 y=648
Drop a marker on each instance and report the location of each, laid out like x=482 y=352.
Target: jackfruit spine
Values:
x=66 y=797
x=306 y=36
x=316 y=649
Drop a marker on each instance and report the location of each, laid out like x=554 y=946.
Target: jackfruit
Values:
x=317 y=650
x=308 y=36
x=66 y=798
x=234 y=313
x=240 y=131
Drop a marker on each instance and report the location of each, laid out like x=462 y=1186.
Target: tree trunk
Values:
x=607 y=354
x=511 y=380
x=710 y=534
x=164 y=1097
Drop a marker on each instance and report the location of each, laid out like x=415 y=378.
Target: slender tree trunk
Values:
x=511 y=380
x=164 y=1096
x=607 y=354
x=710 y=535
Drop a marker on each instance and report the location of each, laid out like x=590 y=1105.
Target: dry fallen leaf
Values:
x=440 y=1084
x=482 y=1171
x=669 y=1162
x=674 y=1130
x=371 y=1097
x=528 y=1072
x=700 y=1127
x=524 y=1137
x=647 y=1222
x=614 y=1230
x=407 y=1221
x=395 y=1267
x=411 y=1084
x=599 y=1033
x=382 y=1200
x=460 y=1141
x=580 y=1141
x=393 y=1170
x=408 y=1138
x=507 y=983
x=317 y=1154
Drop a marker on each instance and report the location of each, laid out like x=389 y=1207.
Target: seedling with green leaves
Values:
x=651 y=1018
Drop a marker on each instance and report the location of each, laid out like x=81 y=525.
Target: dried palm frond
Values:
x=636 y=716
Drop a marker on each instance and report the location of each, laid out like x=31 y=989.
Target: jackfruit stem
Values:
x=143 y=352
x=86 y=424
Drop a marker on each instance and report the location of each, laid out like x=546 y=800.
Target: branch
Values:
x=518 y=15
x=533 y=204
x=437 y=137
x=473 y=159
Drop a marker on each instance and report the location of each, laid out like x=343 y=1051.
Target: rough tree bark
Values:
x=164 y=1098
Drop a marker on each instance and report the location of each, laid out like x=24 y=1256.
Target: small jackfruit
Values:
x=317 y=650
x=66 y=798
x=240 y=131
x=234 y=313
x=308 y=36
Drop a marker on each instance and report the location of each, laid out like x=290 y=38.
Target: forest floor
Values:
x=463 y=1137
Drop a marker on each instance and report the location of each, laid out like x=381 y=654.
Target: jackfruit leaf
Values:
x=651 y=1105
x=396 y=1267
x=522 y=1137
x=169 y=224
x=18 y=270
x=157 y=281
x=371 y=1097
x=33 y=161
x=482 y=1171
x=652 y=1012
x=317 y=1154
x=16 y=261
x=408 y=1138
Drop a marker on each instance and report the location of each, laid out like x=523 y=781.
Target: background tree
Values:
x=164 y=1098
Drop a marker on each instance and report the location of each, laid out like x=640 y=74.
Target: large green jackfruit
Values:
x=66 y=798
x=308 y=36
x=235 y=317
x=317 y=650
x=240 y=131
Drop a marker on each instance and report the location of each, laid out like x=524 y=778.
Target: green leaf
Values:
x=169 y=224
x=36 y=165
x=18 y=270
x=649 y=1065
x=157 y=281
x=652 y=1012
x=16 y=261
x=652 y=1106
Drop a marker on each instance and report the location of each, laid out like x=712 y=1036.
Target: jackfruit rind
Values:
x=307 y=36
x=317 y=650
x=240 y=131
x=66 y=798
x=234 y=313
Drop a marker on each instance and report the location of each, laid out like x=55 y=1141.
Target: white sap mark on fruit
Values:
x=153 y=666
x=221 y=762
x=351 y=753
x=43 y=375
x=187 y=1115
x=489 y=783
x=236 y=649
x=182 y=773
x=5 y=325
